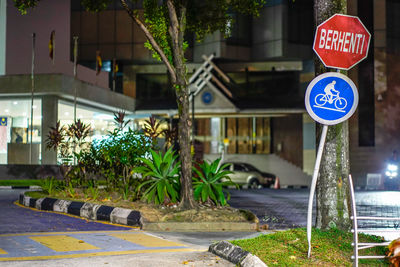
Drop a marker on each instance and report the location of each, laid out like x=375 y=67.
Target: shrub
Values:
x=210 y=182
x=163 y=182
x=118 y=154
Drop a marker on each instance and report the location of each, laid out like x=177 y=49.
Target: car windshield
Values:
x=251 y=167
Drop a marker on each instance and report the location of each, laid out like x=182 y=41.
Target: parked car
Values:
x=247 y=174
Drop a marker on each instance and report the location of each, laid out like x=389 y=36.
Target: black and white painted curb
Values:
x=20 y=187
x=235 y=254
x=86 y=210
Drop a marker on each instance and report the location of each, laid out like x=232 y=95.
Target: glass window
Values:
x=15 y=131
x=101 y=122
x=301 y=23
x=240 y=33
x=239 y=167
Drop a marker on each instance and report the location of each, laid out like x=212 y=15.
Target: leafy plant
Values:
x=49 y=185
x=119 y=119
x=57 y=140
x=77 y=133
x=126 y=192
x=67 y=141
x=71 y=190
x=163 y=172
x=152 y=128
x=117 y=155
x=210 y=181
x=93 y=191
x=171 y=135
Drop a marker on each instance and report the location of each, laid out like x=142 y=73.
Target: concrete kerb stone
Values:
x=252 y=261
x=61 y=205
x=38 y=204
x=120 y=215
x=235 y=254
x=87 y=210
x=20 y=187
x=26 y=201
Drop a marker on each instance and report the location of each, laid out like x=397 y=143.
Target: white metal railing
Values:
x=359 y=245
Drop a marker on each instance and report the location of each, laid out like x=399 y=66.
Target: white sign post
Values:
x=331 y=98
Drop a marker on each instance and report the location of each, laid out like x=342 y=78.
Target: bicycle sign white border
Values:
x=311 y=87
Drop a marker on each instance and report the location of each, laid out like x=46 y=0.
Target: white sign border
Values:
x=311 y=86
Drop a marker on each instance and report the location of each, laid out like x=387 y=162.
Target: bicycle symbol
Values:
x=339 y=102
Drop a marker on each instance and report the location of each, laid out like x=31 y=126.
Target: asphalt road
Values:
x=287 y=208
x=280 y=209
x=15 y=219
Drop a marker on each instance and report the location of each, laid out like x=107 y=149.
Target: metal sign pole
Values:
x=75 y=84
x=32 y=93
x=314 y=184
x=75 y=72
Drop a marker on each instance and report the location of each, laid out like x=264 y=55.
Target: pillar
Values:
x=49 y=119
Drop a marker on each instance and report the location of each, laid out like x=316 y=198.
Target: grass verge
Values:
x=330 y=248
x=20 y=182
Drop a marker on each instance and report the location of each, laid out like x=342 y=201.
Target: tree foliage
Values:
x=164 y=23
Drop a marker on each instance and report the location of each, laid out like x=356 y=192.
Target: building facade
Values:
x=268 y=61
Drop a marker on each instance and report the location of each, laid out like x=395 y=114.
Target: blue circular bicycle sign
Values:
x=331 y=98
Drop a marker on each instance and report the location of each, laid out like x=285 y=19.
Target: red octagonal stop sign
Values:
x=341 y=41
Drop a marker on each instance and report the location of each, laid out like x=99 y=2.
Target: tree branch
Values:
x=152 y=41
x=174 y=24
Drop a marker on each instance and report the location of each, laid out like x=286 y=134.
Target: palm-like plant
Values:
x=152 y=128
x=55 y=136
x=119 y=119
x=171 y=135
x=78 y=132
x=210 y=182
x=163 y=170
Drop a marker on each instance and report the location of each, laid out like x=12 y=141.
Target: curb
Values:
x=235 y=254
x=295 y=187
x=86 y=210
x=201 y=226
x=21 y=187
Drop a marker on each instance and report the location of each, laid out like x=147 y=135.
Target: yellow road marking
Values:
x=74 y=216
x=147 y=240
x=107 y=253
x=63 y=243
x=2 y=252
x=68 y=233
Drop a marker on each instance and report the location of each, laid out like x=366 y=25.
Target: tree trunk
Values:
x=177 y=16
x=184 y=126
x=333 y=200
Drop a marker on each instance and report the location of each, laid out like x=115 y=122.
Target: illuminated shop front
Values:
x=53 y=101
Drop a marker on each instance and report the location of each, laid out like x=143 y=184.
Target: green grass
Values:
x=36 y=194
x=20 y=182
x=330 y=248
